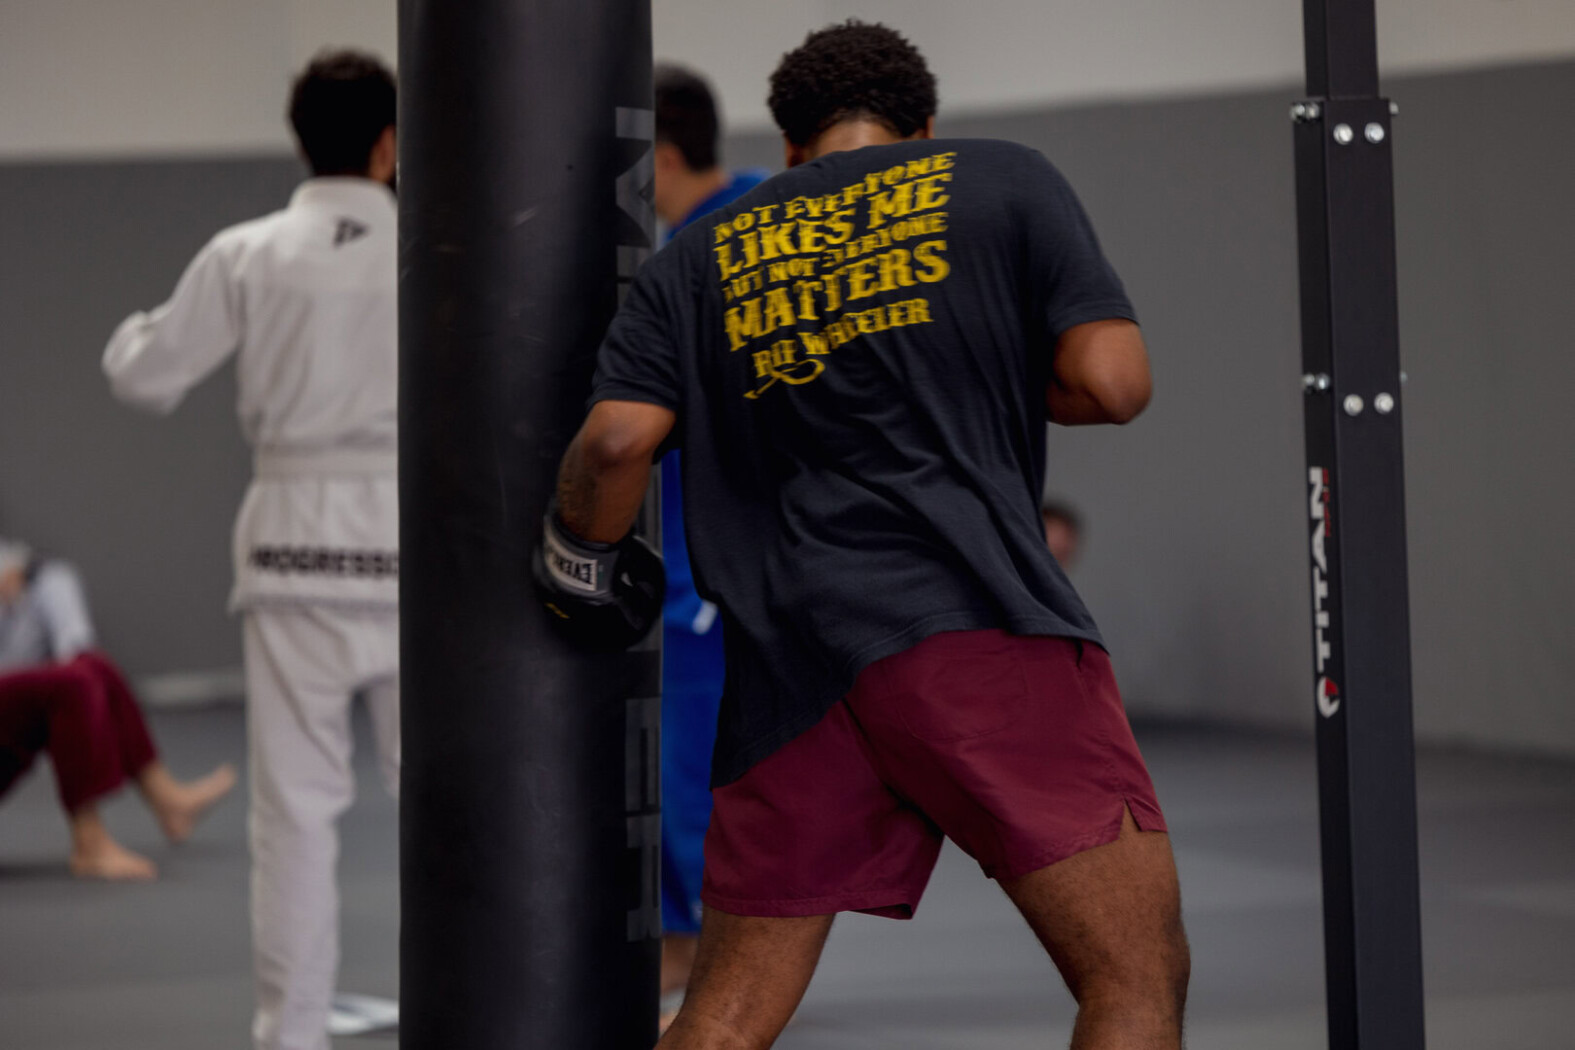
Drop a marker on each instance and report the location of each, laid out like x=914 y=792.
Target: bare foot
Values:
x=107 y=859
x=178 y=805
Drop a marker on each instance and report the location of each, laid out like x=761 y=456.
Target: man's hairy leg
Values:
x=750 y=973
x=1110 y=918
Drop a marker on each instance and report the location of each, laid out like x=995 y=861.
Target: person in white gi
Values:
x=305 y=297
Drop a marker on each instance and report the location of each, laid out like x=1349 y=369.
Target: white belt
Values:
x=325 y=462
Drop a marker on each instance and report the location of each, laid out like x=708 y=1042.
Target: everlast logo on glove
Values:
x=576 y=573
x=606 y=596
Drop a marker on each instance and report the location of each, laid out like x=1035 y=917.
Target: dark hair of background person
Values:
x=686 y=115
x=339 y=107
x=852 y=71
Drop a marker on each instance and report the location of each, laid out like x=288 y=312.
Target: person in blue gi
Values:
x=690 y=182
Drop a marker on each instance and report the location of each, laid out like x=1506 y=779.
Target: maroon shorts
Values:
x=1016 y=748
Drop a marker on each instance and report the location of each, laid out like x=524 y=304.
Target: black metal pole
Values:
x=529 y=826
x=1356 y=520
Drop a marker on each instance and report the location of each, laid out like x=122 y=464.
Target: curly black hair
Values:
x=339 y=107
x=851 y=71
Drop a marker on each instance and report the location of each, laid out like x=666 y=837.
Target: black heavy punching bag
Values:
x=529 y=826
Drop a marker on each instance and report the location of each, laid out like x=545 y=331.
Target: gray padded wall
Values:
x=1487 y=281
x=142 y=504
x=1195 y=564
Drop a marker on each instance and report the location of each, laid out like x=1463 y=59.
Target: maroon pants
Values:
x=84 y=715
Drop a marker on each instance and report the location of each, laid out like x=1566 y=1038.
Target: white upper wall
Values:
x=999 y=54
x=158 y=77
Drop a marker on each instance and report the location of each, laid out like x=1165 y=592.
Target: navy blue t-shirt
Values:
x=682 y=608
x=857 y=351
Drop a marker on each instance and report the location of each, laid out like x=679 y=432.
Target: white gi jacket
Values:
x=306 y=297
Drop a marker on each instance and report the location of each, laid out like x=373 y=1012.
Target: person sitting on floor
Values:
x=60 y=695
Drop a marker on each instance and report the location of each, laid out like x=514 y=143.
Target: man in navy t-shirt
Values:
x=858 y=358
x=690 y=183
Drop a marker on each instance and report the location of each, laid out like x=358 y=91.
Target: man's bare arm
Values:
x=604 y=472
x=1100 y=374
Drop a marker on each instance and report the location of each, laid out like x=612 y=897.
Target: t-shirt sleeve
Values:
x=1072 y=281
x=638 y=360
